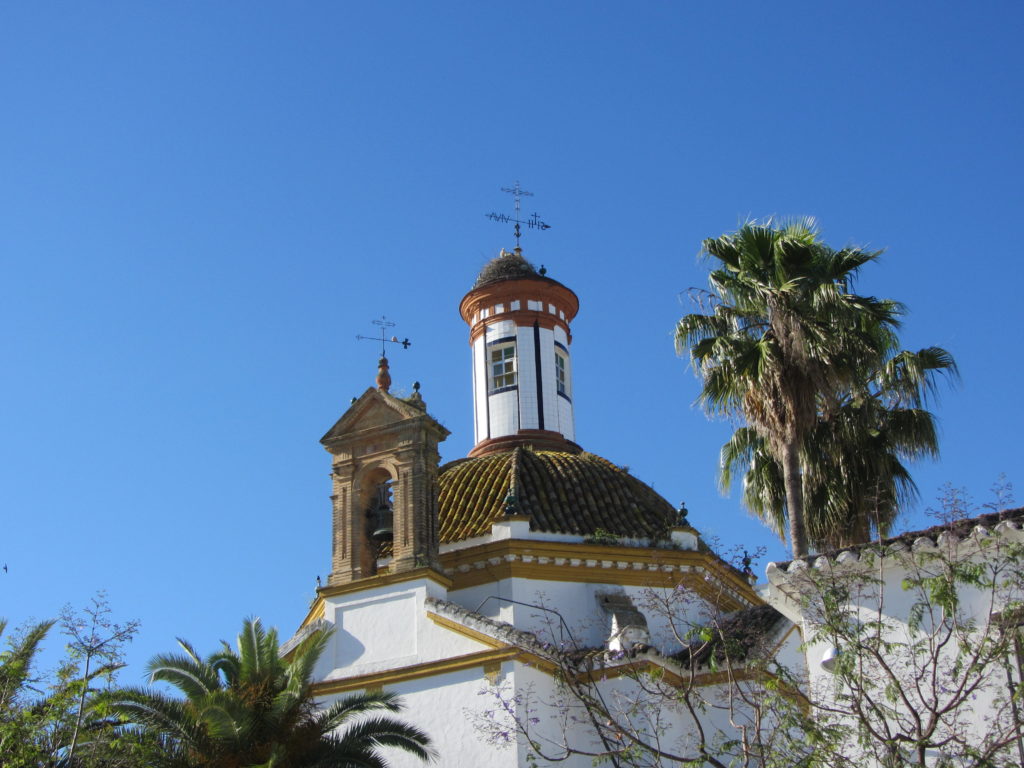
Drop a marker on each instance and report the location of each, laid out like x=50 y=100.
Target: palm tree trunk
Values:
x=794 y=498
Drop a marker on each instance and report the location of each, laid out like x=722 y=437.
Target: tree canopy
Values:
x=783 y=334
x=254 y=707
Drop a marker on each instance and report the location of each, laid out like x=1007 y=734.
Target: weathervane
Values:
x=533 y=222
x=383 y=376
x=384 y=324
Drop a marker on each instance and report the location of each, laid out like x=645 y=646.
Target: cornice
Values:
x=492 y=658
x=384 y=580
x=414 y=671
x=600 y=564
x=316 y=611
x=534 y=288
x=571 y=562
x=462 y=629
x=538 y=439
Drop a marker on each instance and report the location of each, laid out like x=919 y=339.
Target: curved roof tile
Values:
x=560 y=492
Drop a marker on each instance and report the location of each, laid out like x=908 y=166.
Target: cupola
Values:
x=522 y=368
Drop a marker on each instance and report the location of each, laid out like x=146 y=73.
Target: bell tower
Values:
x=384 y=474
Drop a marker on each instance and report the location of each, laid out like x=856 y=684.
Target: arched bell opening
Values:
x=380 y=516
x=377 y=498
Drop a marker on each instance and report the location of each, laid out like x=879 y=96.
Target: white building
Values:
x=914 y=643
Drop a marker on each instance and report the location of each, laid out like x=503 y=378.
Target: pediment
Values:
x=373 y=410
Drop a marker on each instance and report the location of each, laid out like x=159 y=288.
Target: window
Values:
x=503 y=366
x=560 y=376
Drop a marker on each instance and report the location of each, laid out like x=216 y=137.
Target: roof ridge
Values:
x=513 y=504
x=499 y=630
x=961 y=529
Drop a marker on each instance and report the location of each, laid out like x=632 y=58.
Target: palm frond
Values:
x=191 y=677
x=261 y=712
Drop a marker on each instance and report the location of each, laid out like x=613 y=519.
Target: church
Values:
x=499 y=593
x=451 y=584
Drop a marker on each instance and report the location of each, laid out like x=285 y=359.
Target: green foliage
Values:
x=44 y=718
x=254 y=707
x=603 y=537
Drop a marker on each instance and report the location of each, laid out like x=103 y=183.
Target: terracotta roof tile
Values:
x=561 y=492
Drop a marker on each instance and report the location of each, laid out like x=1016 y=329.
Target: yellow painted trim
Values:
x=699 y=679
x=385 y=580
x=316 y=612
x=416 y=671
x=594 y=573
x=522 y=654
x=583 y=573
x=462 y=629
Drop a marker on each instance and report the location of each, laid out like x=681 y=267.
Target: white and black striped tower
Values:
x=522 y=367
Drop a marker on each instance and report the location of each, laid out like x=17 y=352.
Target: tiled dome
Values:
x=561 y=492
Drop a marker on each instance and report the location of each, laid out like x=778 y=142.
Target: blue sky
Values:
x=202 y=204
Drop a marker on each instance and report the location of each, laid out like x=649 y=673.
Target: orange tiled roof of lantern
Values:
x=560 y=492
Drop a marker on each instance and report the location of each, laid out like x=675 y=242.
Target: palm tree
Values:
x=854 y=480
x=254 y=707
x=784 y=334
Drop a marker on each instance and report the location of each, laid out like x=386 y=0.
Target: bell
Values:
x=829 y=658
x=382 y=523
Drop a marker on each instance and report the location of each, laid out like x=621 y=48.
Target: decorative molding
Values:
x=415 y=671
x=384 y=580
x=533 y=288
x=600 y=564
x=540 y=439
x=465 y=631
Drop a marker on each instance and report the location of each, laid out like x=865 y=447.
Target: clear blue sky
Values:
x=202 y=204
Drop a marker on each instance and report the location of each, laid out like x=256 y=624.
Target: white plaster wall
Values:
x=547 y=368
x=503 y=407
x=668 y=725
x=566 y=416
x=476 y=599
x=384 y=628
x=547 y=728
x=588 y=624
x=504 y=410
x=438 y=705
x=499 y=330
x=896 y=605
x=387 y=628
x=479 y=390
x=566 y=423
x=528 y=418
x=561 y=337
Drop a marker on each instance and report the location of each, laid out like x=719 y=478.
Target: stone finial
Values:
x=747 y=570
x=383 y=377
x=511 y=503
x=416 y=399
